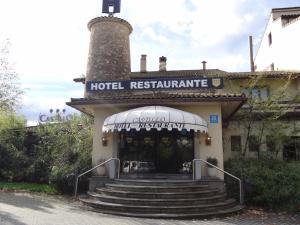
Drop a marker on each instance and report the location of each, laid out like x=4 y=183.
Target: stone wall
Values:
x=109 y=51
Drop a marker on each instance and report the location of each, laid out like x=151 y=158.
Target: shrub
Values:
x=49 y=154
x=68 y=147
x=269 y=183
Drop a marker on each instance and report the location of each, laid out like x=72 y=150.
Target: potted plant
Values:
x=211 y=171
x=101 y=170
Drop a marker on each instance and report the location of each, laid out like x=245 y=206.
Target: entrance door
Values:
x=156 y=151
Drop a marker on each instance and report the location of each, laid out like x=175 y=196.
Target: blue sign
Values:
x=116 y=4
x=155 y=84
x=214 y=119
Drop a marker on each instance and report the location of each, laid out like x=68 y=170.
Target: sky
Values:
x=49 y=40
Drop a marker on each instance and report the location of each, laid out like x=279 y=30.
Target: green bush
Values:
x=51 y=153
x=65 y=151
x=12 y=157
x=270 y=183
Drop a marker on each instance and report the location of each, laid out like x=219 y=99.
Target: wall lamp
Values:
x=104 y=140
x=208 y=140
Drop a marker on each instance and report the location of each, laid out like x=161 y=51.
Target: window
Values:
x=253 y=144
x=291 y=148
x=236 y=144
x=271 y=143
x=270 y=38
x=257 y=92
x=264 y=93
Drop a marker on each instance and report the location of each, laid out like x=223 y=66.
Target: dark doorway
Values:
x=156 y=151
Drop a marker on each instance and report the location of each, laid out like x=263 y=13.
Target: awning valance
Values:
x=154 y=117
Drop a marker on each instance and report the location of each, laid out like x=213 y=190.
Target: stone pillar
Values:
x=109 y=51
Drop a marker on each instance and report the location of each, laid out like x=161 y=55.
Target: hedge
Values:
x=269 y=183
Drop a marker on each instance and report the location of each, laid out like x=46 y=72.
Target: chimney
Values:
x=204 y=65
x=143 y=63
x=162 y=63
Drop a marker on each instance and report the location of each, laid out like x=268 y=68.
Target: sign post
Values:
x=111 y=6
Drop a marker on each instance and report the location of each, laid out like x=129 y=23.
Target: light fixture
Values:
x=129 y=140
x=208 y=140
x=184 y=141
x=147 y=140
x=165 y=140
x=104 y=140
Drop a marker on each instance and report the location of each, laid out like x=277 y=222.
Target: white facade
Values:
x=280 y=46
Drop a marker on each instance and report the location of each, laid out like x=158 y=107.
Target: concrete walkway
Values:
x=34 y=209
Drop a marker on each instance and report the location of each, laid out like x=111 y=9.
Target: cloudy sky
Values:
x=50 y=39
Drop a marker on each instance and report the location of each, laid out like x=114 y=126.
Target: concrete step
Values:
x=157 y=188
x=158 y=195
x=157 y=202
x=157 y=176
x=199 y=208
x=161 y=198
x=160 y=182
x=187 y=215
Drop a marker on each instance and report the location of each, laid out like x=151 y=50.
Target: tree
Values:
x=12 y=157
x=262 y=116
x=63 y=150
x=10 y=91
x=49 y=153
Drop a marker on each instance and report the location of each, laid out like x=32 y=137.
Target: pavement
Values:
x=37 y=209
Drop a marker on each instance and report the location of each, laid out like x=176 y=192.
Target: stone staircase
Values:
x=161 y=199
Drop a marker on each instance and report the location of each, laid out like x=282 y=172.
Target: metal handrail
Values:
x=223 y=171
x=95 y=167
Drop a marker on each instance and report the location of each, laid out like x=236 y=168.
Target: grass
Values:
x=31 y=187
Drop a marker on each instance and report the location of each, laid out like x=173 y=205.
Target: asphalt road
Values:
x=35 y=209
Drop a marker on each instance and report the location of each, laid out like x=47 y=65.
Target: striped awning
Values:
x=155 y=117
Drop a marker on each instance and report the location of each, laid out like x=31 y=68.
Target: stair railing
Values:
x=223 y=171
x=95 y=167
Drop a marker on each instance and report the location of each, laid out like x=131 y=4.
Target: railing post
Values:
x=119 y=167
x=241 y=193
x=197 y=173
x=95 y=167
x=241 y=197
x=76 y=186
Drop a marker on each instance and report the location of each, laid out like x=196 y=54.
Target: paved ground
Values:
x=33 y=209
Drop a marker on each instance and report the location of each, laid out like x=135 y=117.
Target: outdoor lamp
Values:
x=129 y=140
x=104 y=140
x=208 y=140
x=147 y=140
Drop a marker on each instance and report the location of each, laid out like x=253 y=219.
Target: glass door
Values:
x=156 y=151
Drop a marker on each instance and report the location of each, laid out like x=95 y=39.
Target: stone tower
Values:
x=109 y=51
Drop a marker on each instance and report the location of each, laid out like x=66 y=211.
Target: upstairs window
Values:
x=270 y=38
x=257 y=92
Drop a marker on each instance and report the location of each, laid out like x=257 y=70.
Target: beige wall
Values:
x=275 y=86
x=201 y=149
x=237 y=128
x=101 y=152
